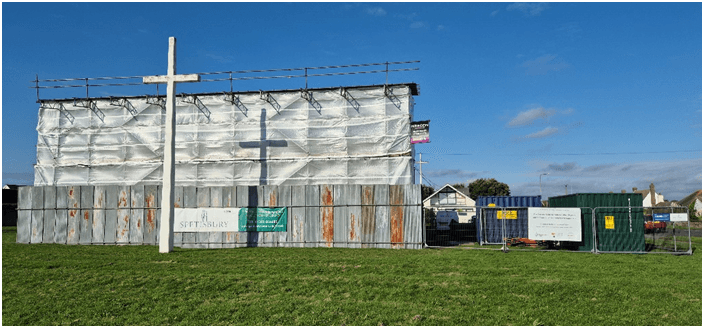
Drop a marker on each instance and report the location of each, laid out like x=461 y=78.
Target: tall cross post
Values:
x=166 y=231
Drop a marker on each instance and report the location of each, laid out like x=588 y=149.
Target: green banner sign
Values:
x=263 y=219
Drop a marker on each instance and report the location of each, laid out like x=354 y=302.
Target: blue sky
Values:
x=601 y=96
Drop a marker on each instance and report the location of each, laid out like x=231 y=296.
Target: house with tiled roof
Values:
x=696 y=198
x=449 y=198
x=650 y=197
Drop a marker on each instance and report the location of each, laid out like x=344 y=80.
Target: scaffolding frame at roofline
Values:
x=94 y=82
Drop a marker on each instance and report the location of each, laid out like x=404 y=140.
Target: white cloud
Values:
x=544 y=64
x=530 y=9
x=542 y=134
x=673 y=179
x=376 y=11
x=440 y=27
x=494 y=13
x=529 y=116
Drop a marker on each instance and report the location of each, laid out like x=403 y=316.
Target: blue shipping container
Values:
x=489 y=226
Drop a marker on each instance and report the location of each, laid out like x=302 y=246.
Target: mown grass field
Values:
x=135 y=285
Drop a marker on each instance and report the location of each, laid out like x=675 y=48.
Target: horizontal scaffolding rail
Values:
x=303 y=72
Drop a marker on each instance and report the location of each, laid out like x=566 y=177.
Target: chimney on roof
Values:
x=652 y=195
x=635 y=189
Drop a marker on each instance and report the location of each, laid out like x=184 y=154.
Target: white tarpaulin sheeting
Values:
x=286 y=140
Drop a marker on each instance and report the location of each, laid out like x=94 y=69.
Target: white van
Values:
x=443 y=219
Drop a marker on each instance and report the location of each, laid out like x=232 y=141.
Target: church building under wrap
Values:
x=352 y=135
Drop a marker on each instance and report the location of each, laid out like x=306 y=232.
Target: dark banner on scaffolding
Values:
x=420 y=132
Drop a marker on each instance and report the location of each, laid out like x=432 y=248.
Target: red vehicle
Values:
x=654 y=226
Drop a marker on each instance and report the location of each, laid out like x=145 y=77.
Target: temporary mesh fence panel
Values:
x=222 y=140
x=489 y=227
x=629 y=230
x=499 y=224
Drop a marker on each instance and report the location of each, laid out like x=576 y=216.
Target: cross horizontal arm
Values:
x=166 y=78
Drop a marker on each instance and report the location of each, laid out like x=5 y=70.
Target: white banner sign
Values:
x=206 y=219
x=559 y=224
x=678 y=217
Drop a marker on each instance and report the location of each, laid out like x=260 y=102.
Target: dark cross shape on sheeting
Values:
x=262 y=144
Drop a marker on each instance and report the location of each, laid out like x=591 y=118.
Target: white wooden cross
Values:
x=166 y=231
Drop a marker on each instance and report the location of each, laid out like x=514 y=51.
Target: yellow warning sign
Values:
x=609 y=222
x=492 y=205
x=509 y=215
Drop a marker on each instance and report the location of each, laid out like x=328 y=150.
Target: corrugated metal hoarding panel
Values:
x=49 y=214
x=37 y=232
x=61 y=221
x=73 y=226
x=24 y=215
x=137 y=217
x=151 y=199
x=123 y=215
x=350 y=216
x=112 y=196
x=99 y=215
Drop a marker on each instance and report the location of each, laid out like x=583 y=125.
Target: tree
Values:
x=488 y=187
x=458 y=185
x=426 y=191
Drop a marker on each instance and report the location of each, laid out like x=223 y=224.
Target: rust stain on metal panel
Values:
x=71 y=234
x=328 y=226
x=150 y=200
x=127 y=222
x=177 y=202
x=86 y=215
x=100 y=200
x=396 y=225
x=228 y=236
x=272 y=199
x=353 y=223
x=72 y=213
x=328 y=217
x=70 y=192
x=150 y=220
x=123 y=199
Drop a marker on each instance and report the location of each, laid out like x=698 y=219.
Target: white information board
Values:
x=678 y=217
x=206 y=219
x=559 y=224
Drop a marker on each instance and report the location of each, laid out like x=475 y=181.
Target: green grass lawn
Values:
x=136 y=285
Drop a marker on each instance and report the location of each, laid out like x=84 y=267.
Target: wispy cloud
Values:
x=376 y=11
x=674 y=179
x=543 y=133
x=529 y=116
x=452 y=173
x=544 y=64
x=529 y=9
x=494 y=13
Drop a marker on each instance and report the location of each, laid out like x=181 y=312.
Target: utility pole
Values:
x=420 y=164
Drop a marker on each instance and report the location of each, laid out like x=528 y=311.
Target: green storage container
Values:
x=618 y=229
